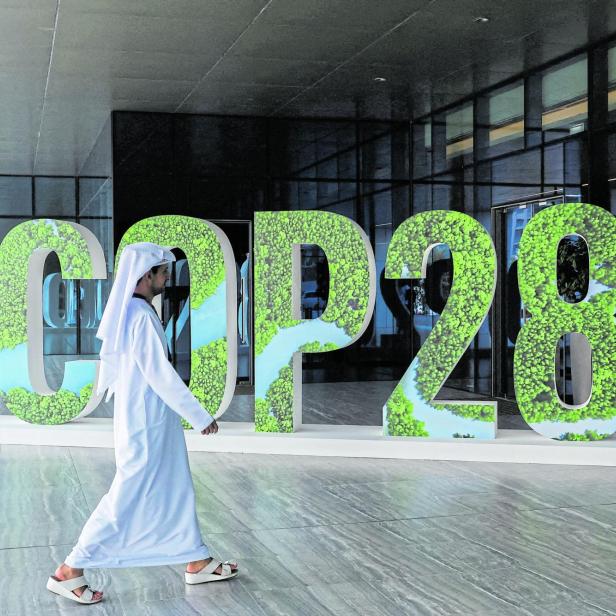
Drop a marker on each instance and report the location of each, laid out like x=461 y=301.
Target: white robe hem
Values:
x=117 y=563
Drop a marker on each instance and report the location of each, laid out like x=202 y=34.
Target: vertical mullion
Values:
x=78 y=282
x=598 y=151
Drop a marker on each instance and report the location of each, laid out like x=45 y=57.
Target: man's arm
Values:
x=162 y=377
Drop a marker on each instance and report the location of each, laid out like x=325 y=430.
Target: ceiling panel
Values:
x=365 y=14
x=114 y=31
x=222 y=97
x=303 y=42
x=270 y=71
x=70 y=88
x=25 y=28
x=236 y=11
x=109 y=63
x=65 y=65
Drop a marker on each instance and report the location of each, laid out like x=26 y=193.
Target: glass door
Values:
x=572 y=362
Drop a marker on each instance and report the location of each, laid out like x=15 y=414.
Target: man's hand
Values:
x=211 y=429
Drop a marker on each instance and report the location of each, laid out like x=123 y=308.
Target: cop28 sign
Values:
x=281 y=336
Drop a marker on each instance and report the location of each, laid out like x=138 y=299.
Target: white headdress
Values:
x=136 y=260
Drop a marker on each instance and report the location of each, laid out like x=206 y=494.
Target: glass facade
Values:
x=505 y=125
x=459 y=132
x=564 y=98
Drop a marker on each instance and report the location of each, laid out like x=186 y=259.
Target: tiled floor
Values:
x=337 y=536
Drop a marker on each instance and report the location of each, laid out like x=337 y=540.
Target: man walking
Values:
x=148 y=517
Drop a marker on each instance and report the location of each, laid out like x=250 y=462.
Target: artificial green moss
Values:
x=551 y=317
x=275 y=234
x=264 y=422
x=58 y=408
x=400 y=420
x=208 y=375
x=275 y=413
x=199 y=243
x=317 y=347
x=588 y=435
x=279 y=398
x=474 y=266
x=347 y=302
x=478 y=412
x=15 y=251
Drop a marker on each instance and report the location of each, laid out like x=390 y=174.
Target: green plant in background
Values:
x=16 y=248
x=350 y=297
x=474 y=267
x=197 y=240
x=551 y=317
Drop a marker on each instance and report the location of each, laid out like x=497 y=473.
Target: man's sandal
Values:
x=207 y=573
x=65 y=589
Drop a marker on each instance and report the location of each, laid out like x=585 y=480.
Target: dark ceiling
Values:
x=65 y=64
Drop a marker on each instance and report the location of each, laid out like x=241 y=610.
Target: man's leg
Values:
x=64 y=572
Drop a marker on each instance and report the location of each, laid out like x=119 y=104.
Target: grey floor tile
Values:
x=222 y=599
x=40 y=517
x=331 y=536
x=299 y=601
x=588 y=580
x=236 y=545
x=501 y=499
x=569 y=608
x=399 y=499
x=520 y=586
x=449 y=594
x=341 y=599
x=604 y=515
x=32 y=468
x=607 y=604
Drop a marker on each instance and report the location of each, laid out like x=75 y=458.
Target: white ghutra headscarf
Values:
x=136 y=260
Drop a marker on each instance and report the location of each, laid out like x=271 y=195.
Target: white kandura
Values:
x=148 y=517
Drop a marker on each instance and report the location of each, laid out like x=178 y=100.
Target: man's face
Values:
x=159 y=280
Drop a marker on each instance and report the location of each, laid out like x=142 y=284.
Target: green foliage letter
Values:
x=280 y=334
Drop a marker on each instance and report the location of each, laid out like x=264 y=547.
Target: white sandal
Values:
x=65 y=589
x=207 y=573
